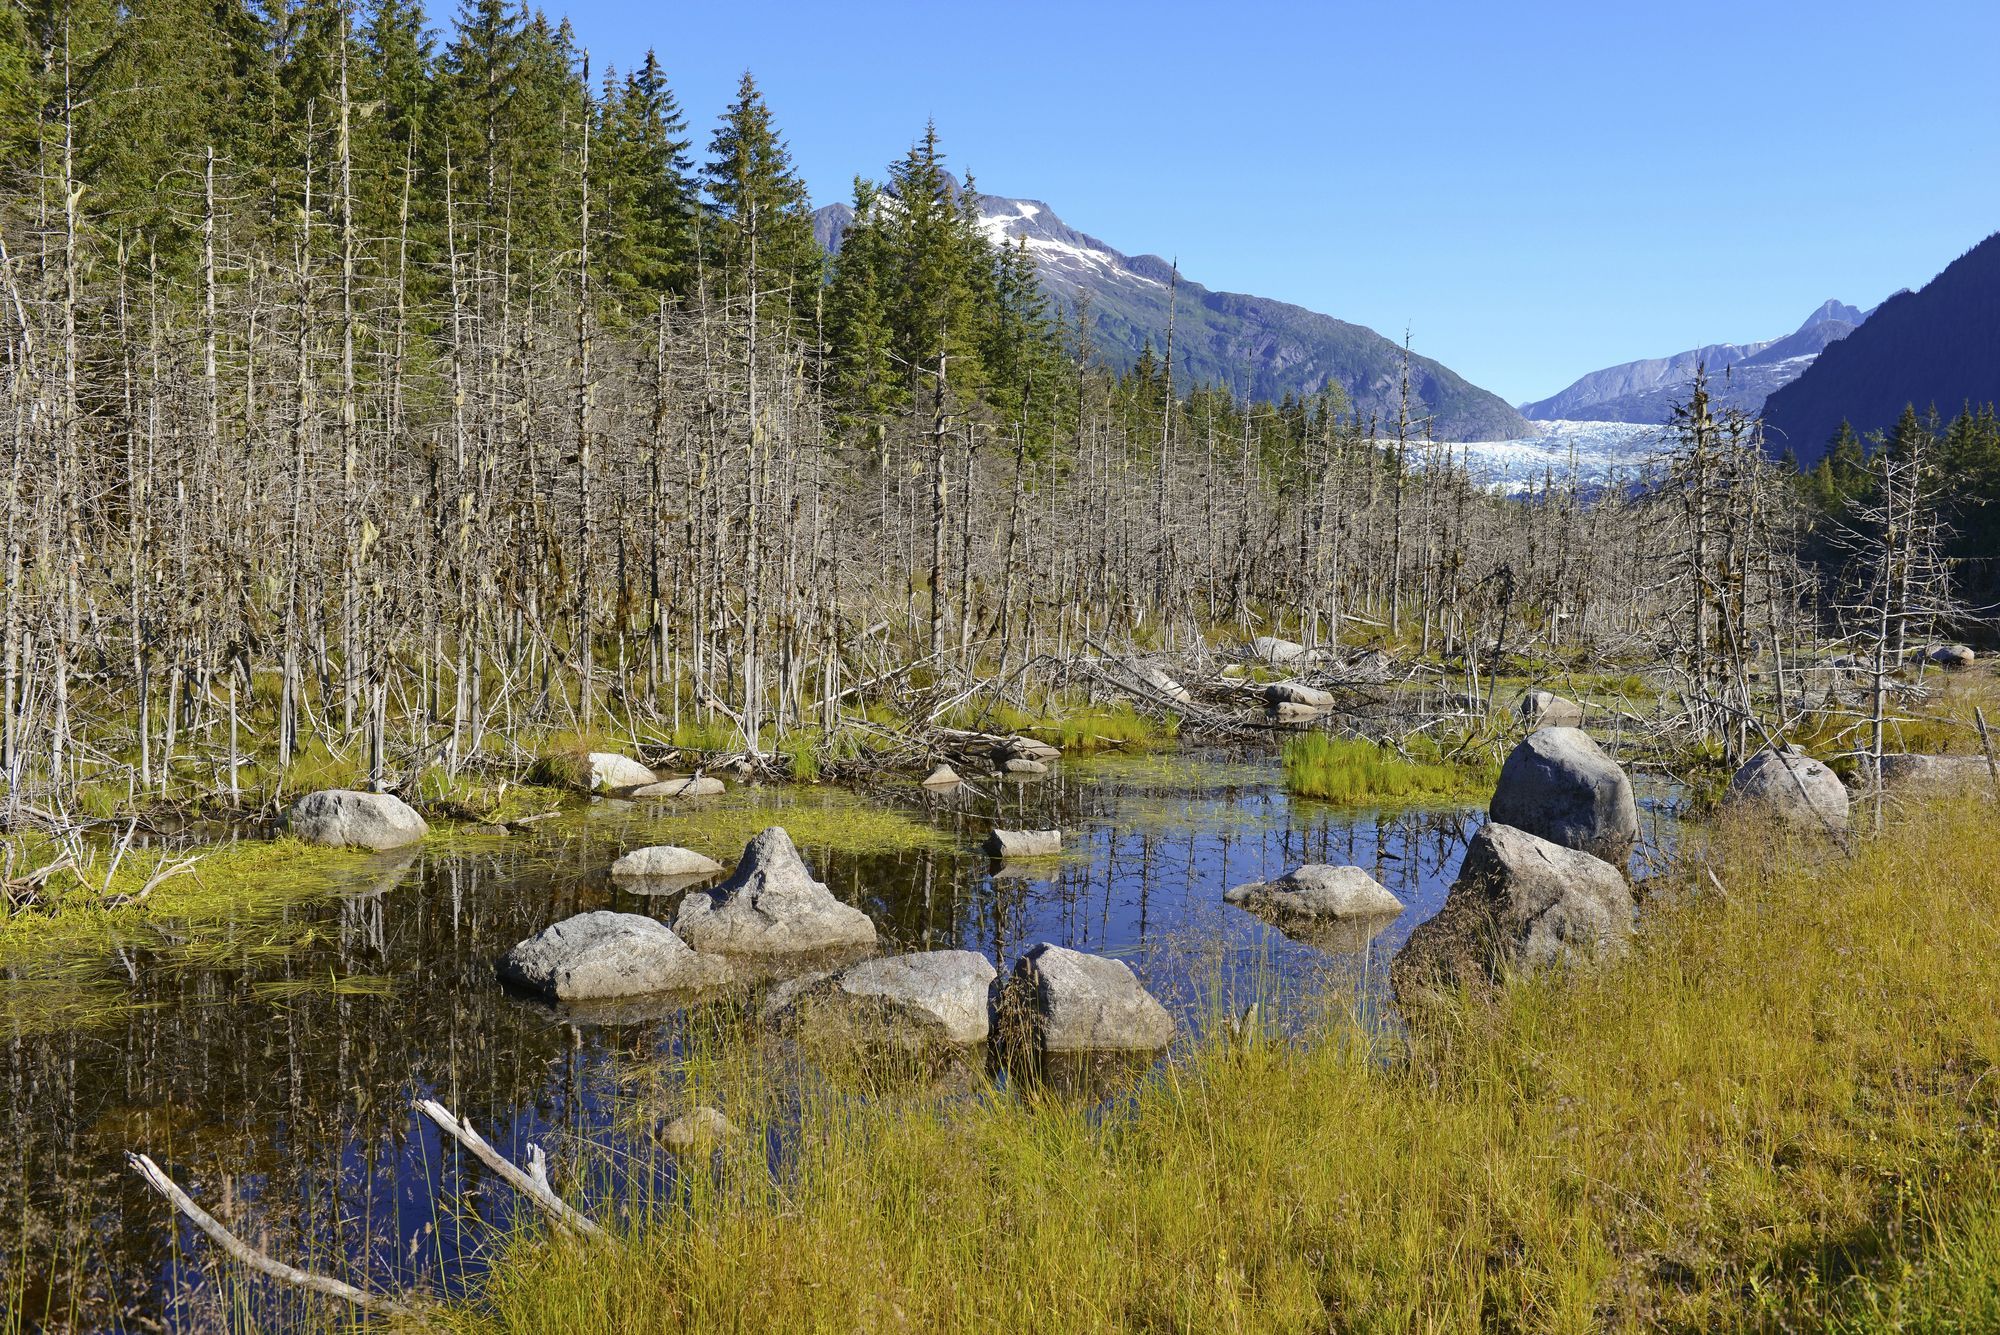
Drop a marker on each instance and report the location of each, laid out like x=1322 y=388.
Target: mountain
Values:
x=1741 y=375
x=1259 y=348
x=1937 y=346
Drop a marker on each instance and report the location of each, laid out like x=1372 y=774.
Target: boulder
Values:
x=1546 y=709
x=1024 y=843
x=1317 y=890
x=1791 y=787
x=699 y=785
x=944 y=776
x=1290 y=714
x=1297 y=693
x=771 y=905
x=609 y=772
x=1025 y=748
x=698 y=1128
x=1271 y=649
x=663 y=861
x=344 y=818
x=1066 y=1001
x=1954 y=657
x=1937 y=773
x=913 y=1001
x=1520 y=901
x=603 y=954
x=1023 y=765
x=1164 y=684
x=1557 y=785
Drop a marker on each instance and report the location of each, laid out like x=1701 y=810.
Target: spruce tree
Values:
x=760 y=207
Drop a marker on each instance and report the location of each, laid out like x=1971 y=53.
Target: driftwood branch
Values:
x=243 y=1252
x=534 y=1185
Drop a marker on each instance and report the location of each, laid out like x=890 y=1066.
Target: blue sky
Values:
x=1535 y=190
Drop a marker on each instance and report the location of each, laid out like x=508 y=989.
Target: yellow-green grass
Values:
x=1074 y=726
x=1351 y=771
x=1778 y=1112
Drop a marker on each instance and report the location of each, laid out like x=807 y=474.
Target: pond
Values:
x=274 y=1078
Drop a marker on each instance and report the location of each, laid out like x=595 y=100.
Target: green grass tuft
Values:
x=1354 y=772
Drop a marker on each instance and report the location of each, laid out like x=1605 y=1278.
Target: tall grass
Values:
x=1355 y=772
x=1778 y=1111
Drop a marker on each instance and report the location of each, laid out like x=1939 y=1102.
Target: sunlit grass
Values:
x=1355 y=772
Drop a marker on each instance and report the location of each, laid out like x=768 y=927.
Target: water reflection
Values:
x=275 y=1084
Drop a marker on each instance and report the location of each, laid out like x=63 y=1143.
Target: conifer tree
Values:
x=760 y=207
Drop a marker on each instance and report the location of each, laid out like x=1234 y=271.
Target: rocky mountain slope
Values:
x=1260 y=348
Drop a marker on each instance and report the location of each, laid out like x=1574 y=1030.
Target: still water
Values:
x=273 y=1078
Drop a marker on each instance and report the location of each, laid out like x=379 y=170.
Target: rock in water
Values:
x=1519 y=902
x=609 y=772
x=1023 y=765
x=911 y=1001
x=1317 y=890
x=1291 y=715
x=700 y=785
x=344 y=818
x=1557 y=785
x=603 y=954
x=771 y=905
x=1024 y=843
x=1067 y=1001
x=1791 y=787
x=1546 y=709
x=663 y=860
x=1273 y=650
x=1297 y=693
x=944 y=776
x=698 y=1128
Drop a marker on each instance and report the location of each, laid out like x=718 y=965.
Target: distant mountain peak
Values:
x=1833 y=310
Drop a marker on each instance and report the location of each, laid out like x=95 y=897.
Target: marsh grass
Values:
x=1778 y=1111
x=1351 y=771
x=1076 y=726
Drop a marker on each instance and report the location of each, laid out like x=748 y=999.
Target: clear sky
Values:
x=1534 y=189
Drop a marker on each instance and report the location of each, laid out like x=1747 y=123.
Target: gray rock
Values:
x=944 y=776
x=698 y=1128
x=914 y=1001
x=661 y=861
x=1297 y=693
x=1024 y=843
x=700 y=785
x=1519 y=902
x=1271 y=649
x=1291 y=715
x=1067 y=1001
x=344 y=818
x=1955 y=657
x=1936 y=773
x=609 y=772
x=603 y=954
x=1317 y=890
x=771 y=905
x=1557 y=785
x=1023 y=765
x=1546 y=709
x=1026 y=748
x=1792 y=788
x=1159 y=680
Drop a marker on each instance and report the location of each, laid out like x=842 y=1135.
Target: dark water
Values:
x=274 y=1080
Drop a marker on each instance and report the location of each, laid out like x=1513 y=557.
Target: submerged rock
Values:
x=1291 y=715
x=1317 y=890
x=1792 y=788
x=699 y=785
x=771 y=905
x=1297 y=693
x=1062 y=1000
x=604 y=954
x=663 y=861
x=1546 y=709
x=1520 y=901
x=699 y=1128
x=1558 y=785
x=1024 y=843
x=1023 y=765
x=911 y=1001
x=344 y=818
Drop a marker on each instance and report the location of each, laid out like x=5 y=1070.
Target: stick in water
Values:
x=535 y=1186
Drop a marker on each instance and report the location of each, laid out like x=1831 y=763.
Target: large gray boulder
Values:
x=609 y=772
x=1271 y=649
x=1935 y=773
x=698 y=785
x=1953 y=657
x=1317 y=890
x=1546 y=709
x=771 y=905
x=1297 y=693
x=1520 y=902
x=1066 y=1001
x=1024 y=843
x=1792 y=788
x=914 y=1001
x=1556 y=784
x=603 y=954
x=663 y=862
x=344 y=818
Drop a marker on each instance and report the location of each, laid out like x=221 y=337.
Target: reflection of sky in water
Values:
x=284 y=1103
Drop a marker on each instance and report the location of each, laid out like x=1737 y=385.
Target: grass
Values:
x=1075 y=727
x=1779 y=1111
x=818 y=818
x=1355 y=772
